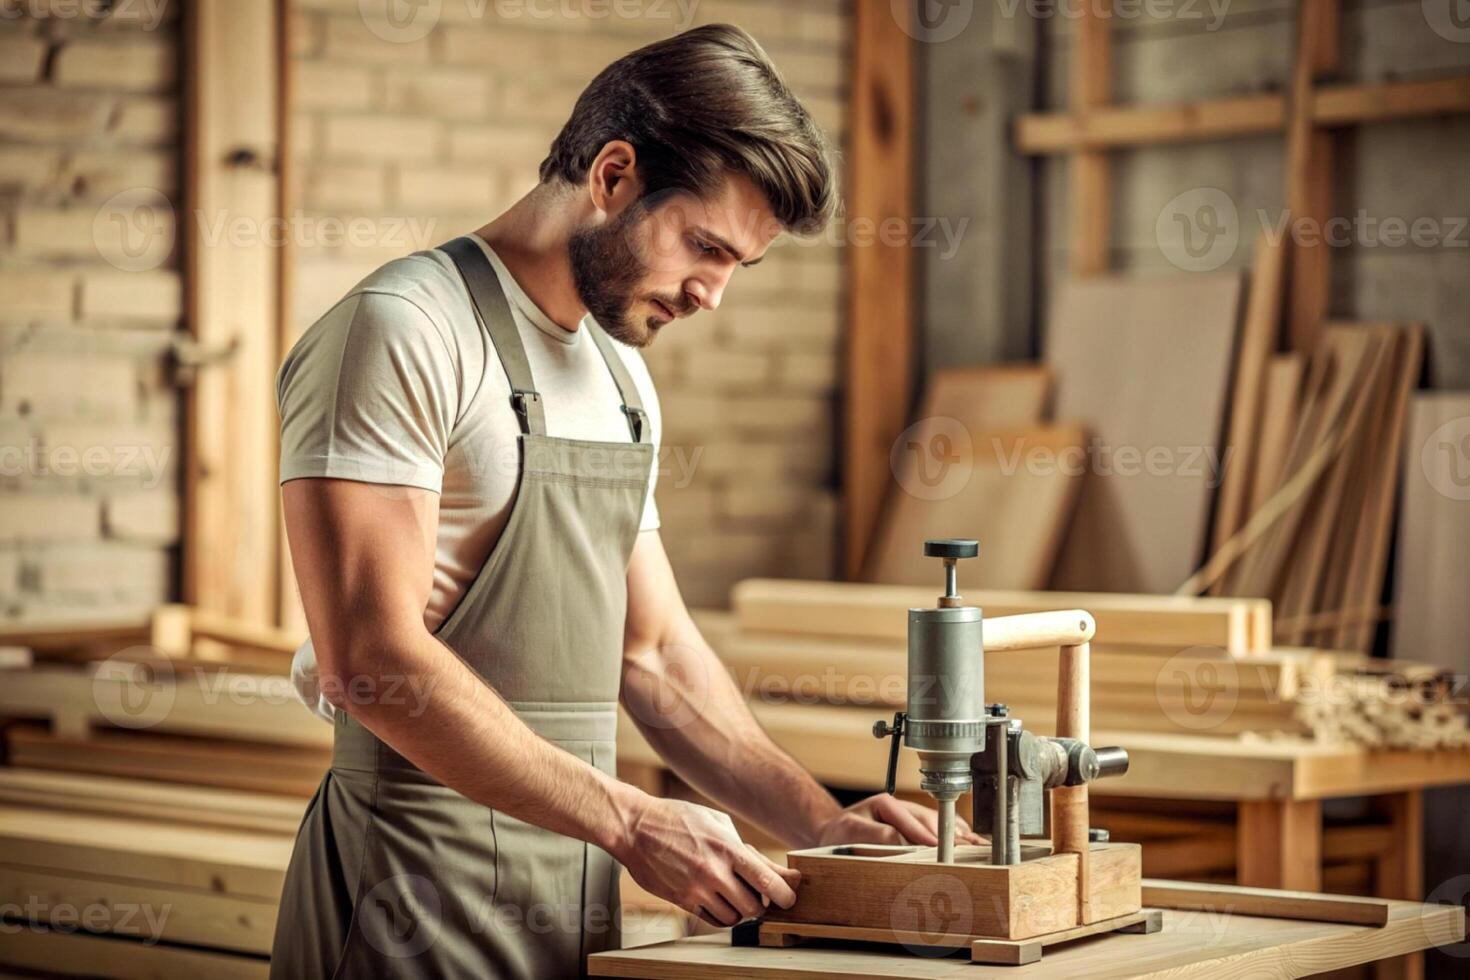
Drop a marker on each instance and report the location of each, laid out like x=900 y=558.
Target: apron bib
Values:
x=396 y=875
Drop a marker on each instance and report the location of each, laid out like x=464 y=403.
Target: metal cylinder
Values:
x=946 y=695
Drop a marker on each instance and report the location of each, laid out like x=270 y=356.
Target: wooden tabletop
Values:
x=836 y=744
x=1191 y=944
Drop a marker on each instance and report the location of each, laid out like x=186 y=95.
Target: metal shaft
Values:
x=946 y=831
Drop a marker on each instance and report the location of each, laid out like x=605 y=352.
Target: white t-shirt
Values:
x=399 y=384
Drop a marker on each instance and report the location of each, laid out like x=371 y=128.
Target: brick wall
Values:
x=413 y=132
x=89 y=298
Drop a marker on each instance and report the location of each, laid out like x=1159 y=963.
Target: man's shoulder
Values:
x=425 y=279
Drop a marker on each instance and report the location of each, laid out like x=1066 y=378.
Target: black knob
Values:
x=951 y=548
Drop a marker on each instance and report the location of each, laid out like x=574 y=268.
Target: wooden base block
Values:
x=905 y=894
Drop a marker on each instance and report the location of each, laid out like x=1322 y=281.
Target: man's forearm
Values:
x=690 y=710
x=458 y=730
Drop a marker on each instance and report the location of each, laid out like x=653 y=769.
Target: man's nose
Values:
x=706 y=293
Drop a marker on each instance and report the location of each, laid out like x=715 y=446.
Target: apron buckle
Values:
x=636 y=419
x=518 y=399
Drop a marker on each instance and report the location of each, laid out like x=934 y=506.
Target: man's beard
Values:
x=606 y=270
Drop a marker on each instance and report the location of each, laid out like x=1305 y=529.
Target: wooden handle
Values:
x=1031 y=631
x=1069 y=811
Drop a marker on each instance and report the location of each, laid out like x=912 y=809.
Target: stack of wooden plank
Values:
x=1159 y=663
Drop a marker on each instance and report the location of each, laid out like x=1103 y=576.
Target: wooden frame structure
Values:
x=1307 y=115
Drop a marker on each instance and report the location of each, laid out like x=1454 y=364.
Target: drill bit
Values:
x=946 y=831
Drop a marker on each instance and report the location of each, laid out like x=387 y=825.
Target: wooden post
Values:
x=1069 y=817
x=880 y=282
x=1279 y=844
x=1399 y=873
x=232 y=286
x=1309 y=173
x=1092 y=86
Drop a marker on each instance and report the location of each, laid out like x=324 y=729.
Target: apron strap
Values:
x=627 y=390
x=488 y=299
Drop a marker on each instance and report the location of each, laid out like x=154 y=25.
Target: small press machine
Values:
x=1046 y=875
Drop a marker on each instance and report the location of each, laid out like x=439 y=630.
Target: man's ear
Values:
x=613 y=180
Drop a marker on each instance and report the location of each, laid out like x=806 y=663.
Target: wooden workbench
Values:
x=1191 y=944
x=1276 y=788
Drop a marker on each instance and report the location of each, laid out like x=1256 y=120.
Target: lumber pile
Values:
x=1164 y=664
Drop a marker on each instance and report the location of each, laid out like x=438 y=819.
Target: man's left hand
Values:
x=884 y=819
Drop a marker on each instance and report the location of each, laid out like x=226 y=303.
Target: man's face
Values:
x=667 y=256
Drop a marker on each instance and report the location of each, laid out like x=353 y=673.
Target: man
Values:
x=467 y=465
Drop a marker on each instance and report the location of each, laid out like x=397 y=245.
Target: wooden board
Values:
x=900 y=889
x=234 y=124
x=1269 y=902
x=879 y=347
x=257 y=767
x=84 y=954
x=1258 y=338
x=879 y=611
x=1432 y=619
x=1202 y=947
x=1121 y=349
x=1016 y=500
x=990 y=397
x=113 y=796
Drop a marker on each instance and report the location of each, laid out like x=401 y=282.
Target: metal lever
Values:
x=882 y=729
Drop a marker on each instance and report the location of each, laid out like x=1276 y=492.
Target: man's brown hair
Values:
x=695 y=107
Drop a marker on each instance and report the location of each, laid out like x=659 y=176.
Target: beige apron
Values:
x=395 y=875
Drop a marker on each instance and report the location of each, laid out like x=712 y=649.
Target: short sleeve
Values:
x=369 y=393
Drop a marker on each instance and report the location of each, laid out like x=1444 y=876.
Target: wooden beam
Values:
x=1309 y=173
x=1280 y=844
x=880 y=335
x=1092 y=86
x=1336 y=106
x=232 y=287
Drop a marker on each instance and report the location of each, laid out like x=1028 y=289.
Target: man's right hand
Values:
x=692 y=856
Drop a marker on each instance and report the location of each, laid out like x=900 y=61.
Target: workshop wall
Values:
x=1386 y=173
x=406 y=136
x=90 y=297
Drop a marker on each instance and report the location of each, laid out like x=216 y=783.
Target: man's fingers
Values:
x=720 y=911
x=962 y=828
x=742 y=897
x=756 y=869
x=906 y=822
x=791 y=875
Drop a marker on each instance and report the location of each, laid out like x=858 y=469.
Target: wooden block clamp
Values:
x=1008 y=900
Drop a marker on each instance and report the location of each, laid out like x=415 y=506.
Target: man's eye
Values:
x=704 y=248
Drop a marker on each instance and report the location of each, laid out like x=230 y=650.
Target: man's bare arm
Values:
x=689 y=708
x=363 y=556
